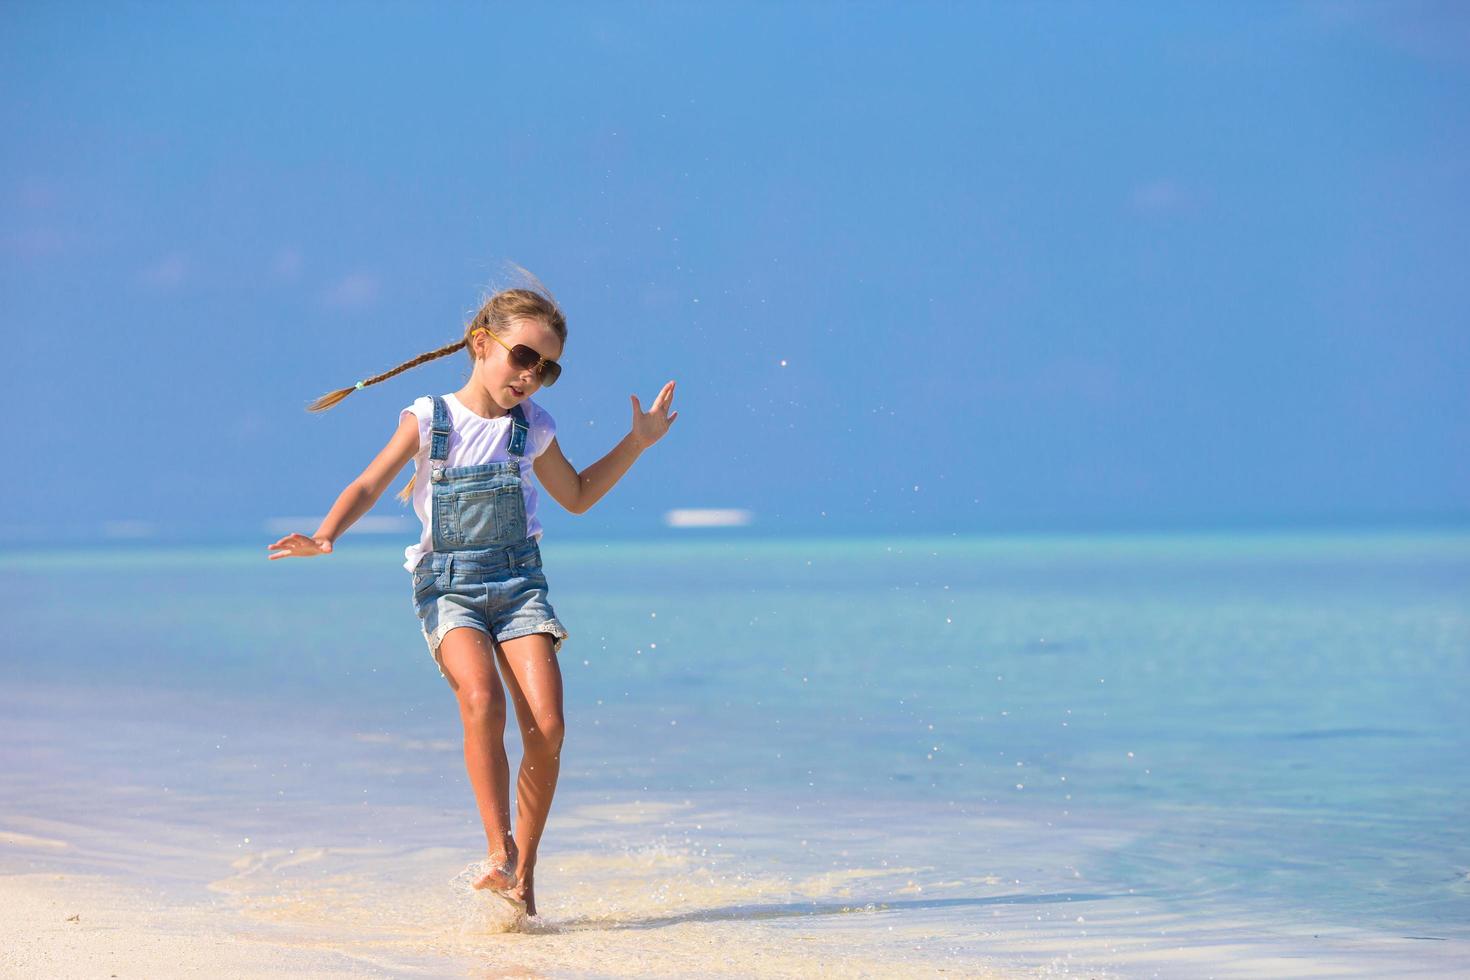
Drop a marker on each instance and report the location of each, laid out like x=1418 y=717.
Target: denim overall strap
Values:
x=439 y=441
x=518 y=430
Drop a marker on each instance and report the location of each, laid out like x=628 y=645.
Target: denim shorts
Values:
x=501 y=593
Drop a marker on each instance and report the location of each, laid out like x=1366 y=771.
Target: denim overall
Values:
x=484 y=572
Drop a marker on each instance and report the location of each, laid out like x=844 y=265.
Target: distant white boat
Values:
x=708 y=517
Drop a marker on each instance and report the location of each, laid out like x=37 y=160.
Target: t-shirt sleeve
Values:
x=423 y=410
x=543 y=430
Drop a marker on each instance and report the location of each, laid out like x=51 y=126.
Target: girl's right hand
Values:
x=300 y=546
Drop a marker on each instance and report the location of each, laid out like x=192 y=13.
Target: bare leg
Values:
x=469 y=664
x=533 y=678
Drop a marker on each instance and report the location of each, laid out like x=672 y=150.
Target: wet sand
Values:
x=648 y=888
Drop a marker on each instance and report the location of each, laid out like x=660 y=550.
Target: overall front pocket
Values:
x=482 y=518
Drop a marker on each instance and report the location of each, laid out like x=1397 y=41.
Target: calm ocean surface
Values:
x=1166 y=755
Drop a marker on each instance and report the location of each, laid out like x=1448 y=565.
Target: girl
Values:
x=478 y=587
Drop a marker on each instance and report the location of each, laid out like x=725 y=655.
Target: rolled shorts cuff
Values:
x=553 y=626
x=435 y=637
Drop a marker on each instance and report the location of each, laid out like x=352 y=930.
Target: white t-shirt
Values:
x=474 y=440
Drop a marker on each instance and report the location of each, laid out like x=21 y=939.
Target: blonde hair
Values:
x=496 y=314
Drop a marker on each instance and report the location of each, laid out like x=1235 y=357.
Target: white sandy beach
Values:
x=64 y=925
x=659 y=911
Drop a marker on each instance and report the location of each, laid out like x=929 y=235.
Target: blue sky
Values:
x=1045 y=266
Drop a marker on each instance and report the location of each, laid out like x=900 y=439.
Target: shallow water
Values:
x=1131 y=756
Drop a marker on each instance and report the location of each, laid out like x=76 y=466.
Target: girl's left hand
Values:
x=649 y=427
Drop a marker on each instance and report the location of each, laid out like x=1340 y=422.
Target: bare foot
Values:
x=500 y=875
x=525 y=890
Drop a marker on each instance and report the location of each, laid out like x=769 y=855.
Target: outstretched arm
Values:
x=577 y=492
x=358 y=498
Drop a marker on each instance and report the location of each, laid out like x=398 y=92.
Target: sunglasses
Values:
x=523 y=357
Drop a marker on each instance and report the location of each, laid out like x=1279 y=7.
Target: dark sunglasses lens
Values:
x=524 y=357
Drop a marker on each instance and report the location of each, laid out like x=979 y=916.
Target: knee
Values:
x=482 y=706
x=546 y=737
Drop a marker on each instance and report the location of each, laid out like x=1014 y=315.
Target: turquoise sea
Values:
x=1132 y=755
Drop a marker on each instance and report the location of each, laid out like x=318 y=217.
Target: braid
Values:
x=333 y=397
x=495 y=315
